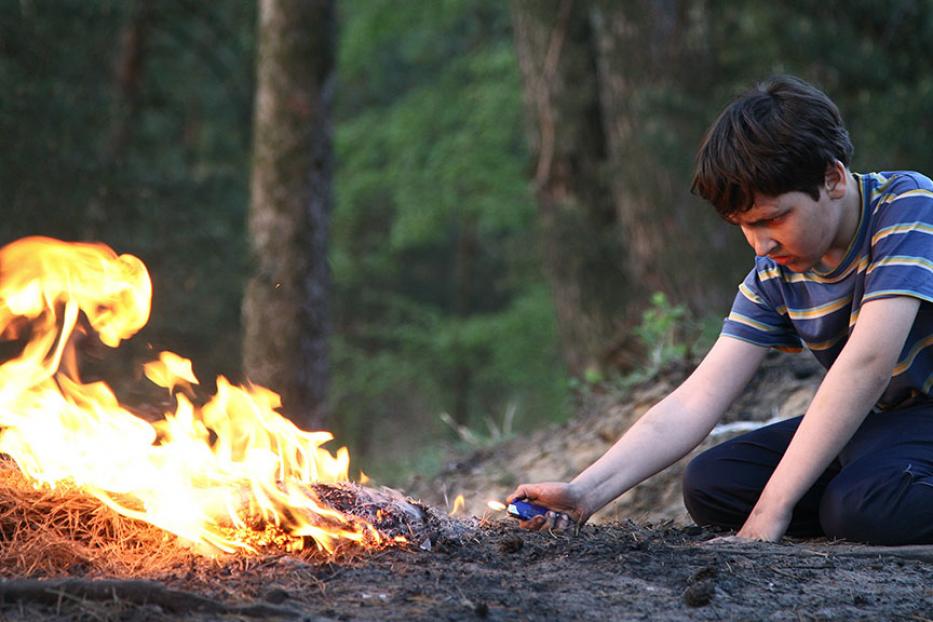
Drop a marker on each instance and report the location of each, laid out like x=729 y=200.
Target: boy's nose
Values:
x=762 y=243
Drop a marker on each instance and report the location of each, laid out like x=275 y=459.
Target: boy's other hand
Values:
x=765 y=525
x=563 y=500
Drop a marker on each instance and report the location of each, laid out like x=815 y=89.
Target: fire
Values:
x=209 y=474
x=459 y=502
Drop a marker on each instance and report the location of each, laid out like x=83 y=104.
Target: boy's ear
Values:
x=835 y=180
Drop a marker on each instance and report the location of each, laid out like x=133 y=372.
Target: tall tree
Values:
x=611 y=95
x=583 y=258
x=285 y=308
x=654 y=65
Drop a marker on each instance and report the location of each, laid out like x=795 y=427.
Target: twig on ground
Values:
x=52 y=591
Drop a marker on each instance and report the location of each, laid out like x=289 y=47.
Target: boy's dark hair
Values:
x=778 y=137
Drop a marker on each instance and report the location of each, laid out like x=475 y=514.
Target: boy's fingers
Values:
x=552 y=521
x=533 y=524
x=522 y=492
x=558 y=521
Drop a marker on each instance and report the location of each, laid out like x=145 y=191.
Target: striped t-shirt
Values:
x=891 y=255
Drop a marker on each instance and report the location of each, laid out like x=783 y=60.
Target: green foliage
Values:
x=495 y=432
x=670 y=333
x=659 y=328
x=439 y=305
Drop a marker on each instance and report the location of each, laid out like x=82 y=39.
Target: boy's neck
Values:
x=850 y=205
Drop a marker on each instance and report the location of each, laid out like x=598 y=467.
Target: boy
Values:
x=843 y=267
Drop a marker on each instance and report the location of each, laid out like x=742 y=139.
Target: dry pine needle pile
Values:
x=45 y=532
x=64 y=531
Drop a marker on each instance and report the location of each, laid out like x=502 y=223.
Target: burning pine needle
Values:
x=217 y=475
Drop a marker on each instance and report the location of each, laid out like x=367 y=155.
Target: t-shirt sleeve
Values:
x=901 y=261
x=756 y=320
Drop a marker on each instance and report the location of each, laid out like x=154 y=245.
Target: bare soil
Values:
x=621 y=571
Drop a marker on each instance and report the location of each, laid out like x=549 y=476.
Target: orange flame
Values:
x=203 y=473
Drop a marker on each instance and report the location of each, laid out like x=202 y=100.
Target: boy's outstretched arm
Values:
x=853 y=384
x=666 y=433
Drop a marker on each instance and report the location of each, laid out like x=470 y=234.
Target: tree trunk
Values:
x=652 y=67
x=582 y=254
x=612 y=88
x=285 y=309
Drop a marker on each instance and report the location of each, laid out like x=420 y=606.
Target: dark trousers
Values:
x=878 y=490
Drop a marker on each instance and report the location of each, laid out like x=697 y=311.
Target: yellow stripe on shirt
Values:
x=829 y=343
x=750 y=295
x=824 y=309
x=769 y=273
x=887 y=199
x=904 y=364
x=921 y=227
x=902 y=260
x=747 y=321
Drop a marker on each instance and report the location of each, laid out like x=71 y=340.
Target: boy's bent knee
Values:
x=886 y=512
x=844 y=517
x=701 y=490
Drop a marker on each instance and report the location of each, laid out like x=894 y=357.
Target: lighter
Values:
x=525 y=510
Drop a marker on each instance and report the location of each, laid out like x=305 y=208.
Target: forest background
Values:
x=507 y=218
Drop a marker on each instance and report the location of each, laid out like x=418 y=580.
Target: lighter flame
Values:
x=498 y=506
x=203 y=473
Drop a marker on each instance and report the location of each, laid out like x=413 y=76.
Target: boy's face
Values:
x=798 y=232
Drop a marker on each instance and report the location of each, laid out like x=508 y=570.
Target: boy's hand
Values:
x=764 y=525
x=564 y=501
x=759 y=527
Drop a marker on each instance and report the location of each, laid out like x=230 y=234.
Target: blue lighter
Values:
x=525 y=510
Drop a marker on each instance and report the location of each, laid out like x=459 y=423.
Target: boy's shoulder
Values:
x=897 y=182
x=899 y=196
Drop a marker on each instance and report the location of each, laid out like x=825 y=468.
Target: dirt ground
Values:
x=639 y=560
x=619 y=571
